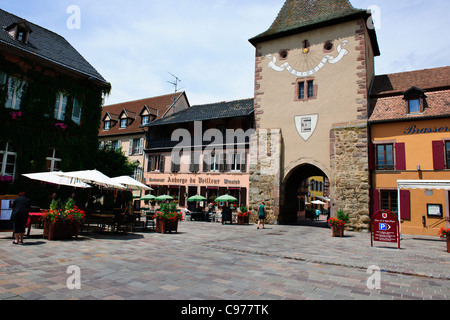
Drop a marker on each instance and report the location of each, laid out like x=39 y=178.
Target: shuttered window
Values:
x=439 y=160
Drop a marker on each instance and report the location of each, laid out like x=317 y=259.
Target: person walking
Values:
x=262 y=215
x=21 y=211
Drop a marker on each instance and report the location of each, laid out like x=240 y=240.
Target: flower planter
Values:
x=243 y=220
x=338 y=231
x=61 y=230
x=165 y=225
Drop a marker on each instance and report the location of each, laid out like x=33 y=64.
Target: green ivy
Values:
x=34 y=132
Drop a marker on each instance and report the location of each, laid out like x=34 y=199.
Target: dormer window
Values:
x=145 y=120
x=19 y=31
x=414 y=106
x=415 y=100
x=107 y=125
x=123 y=123
x=147 y=115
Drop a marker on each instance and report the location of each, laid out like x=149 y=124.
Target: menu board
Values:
x=6 y=209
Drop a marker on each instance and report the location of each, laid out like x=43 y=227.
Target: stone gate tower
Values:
x=314 y=68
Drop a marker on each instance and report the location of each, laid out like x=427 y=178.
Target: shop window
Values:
x=53 y=160
x=385 y=157
x=8 y=157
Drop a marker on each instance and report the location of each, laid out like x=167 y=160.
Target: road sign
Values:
x=385 y=227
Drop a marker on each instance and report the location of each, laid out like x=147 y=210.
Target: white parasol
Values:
x=92 y=177
x=131 y=183
x=56 y=178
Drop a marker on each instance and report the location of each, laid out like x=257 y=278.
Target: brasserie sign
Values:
x=413 y=129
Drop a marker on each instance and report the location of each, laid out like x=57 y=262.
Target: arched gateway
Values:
x=314 y=67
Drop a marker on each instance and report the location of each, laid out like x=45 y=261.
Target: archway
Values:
x=299 y=188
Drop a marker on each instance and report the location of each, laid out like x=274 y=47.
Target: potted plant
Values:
x=244 y=216
x=444 y=233
x=337 y=223
x=167 y=218
x=62 y=223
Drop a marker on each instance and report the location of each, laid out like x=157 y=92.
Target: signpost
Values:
x=385 y=227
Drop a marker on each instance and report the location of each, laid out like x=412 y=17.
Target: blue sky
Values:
x=135 y=44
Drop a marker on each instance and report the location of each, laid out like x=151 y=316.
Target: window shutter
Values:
x=130 y=147
x=205 y=162
x=372 y=157
x=243 y=162
x=438 y=155
x=405 y=204
x=400 y=159
x=375 y=201
x=162 y=163
x=222 y=162
x=141 y=146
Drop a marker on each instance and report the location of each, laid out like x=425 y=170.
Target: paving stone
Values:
x=210 y=261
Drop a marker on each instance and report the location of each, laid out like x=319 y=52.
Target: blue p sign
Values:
x=383 y=227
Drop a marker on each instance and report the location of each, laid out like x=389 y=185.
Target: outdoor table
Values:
x=33 y=217
x=105 y=217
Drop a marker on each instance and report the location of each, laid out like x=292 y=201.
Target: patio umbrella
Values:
x=164 y=198
x=131 y=183
x=92 y=177
x=196 y=198
x=317 y=202
x=55 y=178
x=226 y=198
x=148 y=197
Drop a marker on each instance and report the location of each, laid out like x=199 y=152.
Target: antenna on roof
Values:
x=175 y=84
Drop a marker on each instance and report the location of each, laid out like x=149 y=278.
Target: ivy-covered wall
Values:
x=34 y=130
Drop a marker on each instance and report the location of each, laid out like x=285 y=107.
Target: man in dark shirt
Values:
x=21 y=210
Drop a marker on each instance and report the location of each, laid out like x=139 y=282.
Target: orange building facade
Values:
x=410 y=148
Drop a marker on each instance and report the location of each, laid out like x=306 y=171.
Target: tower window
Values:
x=306 y=89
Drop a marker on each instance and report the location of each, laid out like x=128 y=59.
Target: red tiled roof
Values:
x=400 y=82
x=133 y=109
x=387 y=99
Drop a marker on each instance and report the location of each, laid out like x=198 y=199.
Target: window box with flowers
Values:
x=167 y=218
x=62 y=223
x=338 y=223
x=244 y=216
x=445 y=233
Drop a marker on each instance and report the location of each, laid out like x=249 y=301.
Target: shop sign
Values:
x=385 y=227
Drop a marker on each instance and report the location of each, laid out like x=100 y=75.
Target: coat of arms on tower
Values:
x=306 y=125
